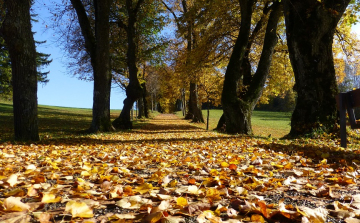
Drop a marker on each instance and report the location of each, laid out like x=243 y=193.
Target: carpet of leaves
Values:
x=169 y=171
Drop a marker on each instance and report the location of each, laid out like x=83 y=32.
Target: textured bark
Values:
x=140 y=108
x=133 y=90
x=310 y=27
x=194 y=113
x=238 y=111
x=232 y=106
x=145 y=101
x=97 y=45
x=16 y=30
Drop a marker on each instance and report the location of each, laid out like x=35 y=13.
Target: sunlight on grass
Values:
x=56 y=122
x=264 y=123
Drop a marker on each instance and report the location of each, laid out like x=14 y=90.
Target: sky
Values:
x=63 y=89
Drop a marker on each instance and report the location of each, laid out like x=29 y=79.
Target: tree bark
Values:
x=310 y=27
x=238 y=114
x=16 y=30
x=98 y=48
x=102 y=74
x=194 y=113
x=133 y=90
x=145 y=101
x=232 y=105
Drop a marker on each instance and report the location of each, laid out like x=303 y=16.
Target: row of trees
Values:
x=219 y=46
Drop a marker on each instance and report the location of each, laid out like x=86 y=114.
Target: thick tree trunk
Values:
x=133 y=90
x=238 y=113
x=102 y=75
x=98 y=47
x=232 y=106
x=194 y=113
x=16 y=30
x=310 y=27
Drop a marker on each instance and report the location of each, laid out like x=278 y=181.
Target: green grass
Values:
x=264 y=123
x=54 y=122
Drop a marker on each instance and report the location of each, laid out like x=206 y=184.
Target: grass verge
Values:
x=264 y=123
x=54 y=122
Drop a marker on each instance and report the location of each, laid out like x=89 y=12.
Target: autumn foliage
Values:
x=171 y=171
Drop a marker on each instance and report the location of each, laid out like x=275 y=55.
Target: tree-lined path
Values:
x=171 y=171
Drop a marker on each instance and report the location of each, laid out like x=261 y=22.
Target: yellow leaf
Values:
x=14 y=204
x=182 y=202
x=257 y=218
x=224 y=164
x=79 y=209
x=213 y=193
x=152 y=218
x=18 y=192
x=309 y=186
x=50 y=198
x=324 y=161
x=173 y=183
x=143 y=188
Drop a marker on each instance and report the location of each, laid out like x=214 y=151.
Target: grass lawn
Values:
x=263 y=122
x=54 y=122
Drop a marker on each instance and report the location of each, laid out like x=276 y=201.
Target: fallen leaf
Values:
x=79 y=209
x=14 y=204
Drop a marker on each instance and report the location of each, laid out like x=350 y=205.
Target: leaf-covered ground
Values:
x=170 y=171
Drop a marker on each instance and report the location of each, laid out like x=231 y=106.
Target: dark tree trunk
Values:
x=310 y=27
x=16 y=30
x=221 y=126
x=98 y=48
x=145 y=101
x=238 y=111
x=141 y=108
x=194 y=112
x=102 y=75
x=232 y=105
x=133 y=90
x=143 y=105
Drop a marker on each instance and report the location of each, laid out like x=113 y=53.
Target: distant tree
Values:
x=142 y=22
x=16 y=31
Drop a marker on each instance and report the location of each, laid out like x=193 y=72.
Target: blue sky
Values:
x=63 y=88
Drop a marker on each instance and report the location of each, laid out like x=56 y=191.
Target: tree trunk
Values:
x=194 y=112
x=140 y=103
x=102 y=75
x=133 y=90
x=238 y=113
x=232 y=106
x=310 y=27
x=98 y=48
x=16 y=30
x=145 y=101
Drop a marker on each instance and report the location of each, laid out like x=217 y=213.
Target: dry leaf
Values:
x=14 y=204
x=181 y=201
x=79 y=209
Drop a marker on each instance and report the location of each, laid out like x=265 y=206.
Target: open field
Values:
x=54 y=122
x=264 y=123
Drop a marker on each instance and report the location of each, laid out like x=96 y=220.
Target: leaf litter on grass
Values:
x=170 y=171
